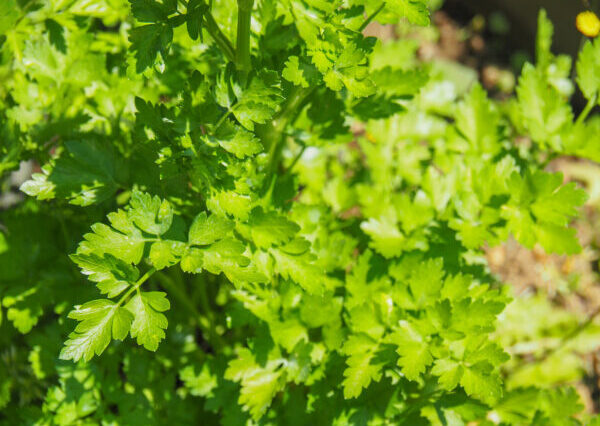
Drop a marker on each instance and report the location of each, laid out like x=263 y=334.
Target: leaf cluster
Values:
x=300 y=242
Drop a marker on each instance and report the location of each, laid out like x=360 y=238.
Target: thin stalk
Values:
x=296 y=159
x=204 y=303
x=25 y=11
x=371 y=17
x=566 y=339
x=208 y=312
x=224 y=117
x=202 y=321
x=273 y=137
x=573 y=334
x=170 y=284
x=242 y=53
x=586 y=111
x=221 y=39
x=136 y=286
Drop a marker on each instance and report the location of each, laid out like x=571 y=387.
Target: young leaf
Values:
x=206 y=230
x=544 y=112
x=148 y=322
x=362 y=369
x=148 y=41
x=86 y=173
x=150 y=214
x=121 y=240
x=413 y=10
x=101 y=321
x=236 y=140
x=588 y=70
x=258 y=102
x=270 y=229
x=259 y=383
x=112 y=275
x=477 y=120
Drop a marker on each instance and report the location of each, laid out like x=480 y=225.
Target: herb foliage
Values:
x=248 y=212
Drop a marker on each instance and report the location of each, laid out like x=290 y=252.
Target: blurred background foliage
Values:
x=551 y=329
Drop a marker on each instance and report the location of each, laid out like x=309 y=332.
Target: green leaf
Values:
x=477 y=120
x=588 y=70
x=148 y=322
x=259 y=383
x=149 y=10
x=543 y=42
x=150 y=214
x=166 y=253
x=56 y=35
x=258 y=102
x=359 y=374
x=201 y=383
x=194 y=17
x=415 y=11
x=348 y=69
x=230 y=203
x=24 y=306
x=545 y=113
x=302 y=270
x=101 y=321
x=413 y=351
x=362 y=369
x=112 y=275
x=156 y=117
x=449 y=373
x=86 y=173
x=9 y=14
x=226 y=256
x=386 y=238
x=288 y=333
x=191 y=261
x=540 y=209
x=236 y=140
x=399 y=82
x=426 y=281
x=299 y=73
x=121 y=240
x=269 y=229
x=481 y=382
x=148 y=41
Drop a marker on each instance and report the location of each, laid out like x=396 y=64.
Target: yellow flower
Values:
x=588 y=23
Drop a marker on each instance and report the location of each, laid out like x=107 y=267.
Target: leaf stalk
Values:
x=242 y=53
x=217 y=35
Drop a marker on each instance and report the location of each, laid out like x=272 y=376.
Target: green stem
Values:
x=25 y=11
x=588 y=108
x=136 y=286
x=208 y=312
x=173 y=288
x=273 y=137
x=204 y=298
x=223 y=118
x=573 y=334
x=566 y=339
x=220 y=39
x=296 y=159
x=202 y=321
x=242 y=53
x=371 y=17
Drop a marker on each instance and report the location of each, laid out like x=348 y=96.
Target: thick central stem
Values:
x=242 y=50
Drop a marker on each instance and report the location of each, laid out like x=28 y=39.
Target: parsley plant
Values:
x=248 y=212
